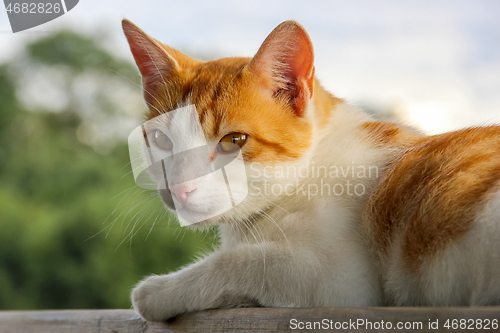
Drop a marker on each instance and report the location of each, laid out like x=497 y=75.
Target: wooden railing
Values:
x=258 y=320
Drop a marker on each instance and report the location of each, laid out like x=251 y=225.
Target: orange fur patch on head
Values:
x=230 y=100
x=432 y=194
x=230 y=94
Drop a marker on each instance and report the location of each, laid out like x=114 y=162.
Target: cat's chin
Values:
x=190 y=217
x=193 y=217
x=210 y=222
x=199 y=220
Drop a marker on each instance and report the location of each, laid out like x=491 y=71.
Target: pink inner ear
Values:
x=144 y=59
x=152 y=60
x=285 y=64
x=302 y=61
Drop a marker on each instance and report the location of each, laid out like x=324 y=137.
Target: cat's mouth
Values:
x=188 y=214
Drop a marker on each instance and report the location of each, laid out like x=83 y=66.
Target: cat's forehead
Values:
x=212 y=83
x=216 y=70
x=210 y=86
x=230 y=99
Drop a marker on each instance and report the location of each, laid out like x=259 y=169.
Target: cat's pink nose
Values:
x=182 y=191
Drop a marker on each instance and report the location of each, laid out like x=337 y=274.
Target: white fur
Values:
x=296 y=251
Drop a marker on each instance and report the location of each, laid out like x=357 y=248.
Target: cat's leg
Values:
x=265 y=274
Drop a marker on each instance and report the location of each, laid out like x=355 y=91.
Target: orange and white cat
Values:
x=422 y=229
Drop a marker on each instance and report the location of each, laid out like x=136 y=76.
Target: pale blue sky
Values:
x=435 y=62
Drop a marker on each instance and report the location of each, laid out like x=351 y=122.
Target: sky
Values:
x=436 y=64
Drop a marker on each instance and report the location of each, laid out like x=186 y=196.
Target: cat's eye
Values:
x=162 y=141
x=231 y=142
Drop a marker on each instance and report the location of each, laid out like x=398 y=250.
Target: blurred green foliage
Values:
x=75 y=231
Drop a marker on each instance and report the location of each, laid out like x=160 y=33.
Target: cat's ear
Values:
x=157 y=62
x=285 y=64
x=154 y=63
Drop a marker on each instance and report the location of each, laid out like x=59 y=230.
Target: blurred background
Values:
x=75 y=231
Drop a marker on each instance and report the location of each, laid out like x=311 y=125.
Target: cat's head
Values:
x=264 y=105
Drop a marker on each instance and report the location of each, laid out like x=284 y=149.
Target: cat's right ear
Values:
x=155 y=63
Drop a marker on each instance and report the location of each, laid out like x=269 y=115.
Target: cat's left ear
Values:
x=285 y=64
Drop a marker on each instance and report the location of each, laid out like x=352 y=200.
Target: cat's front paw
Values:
x=153 y=299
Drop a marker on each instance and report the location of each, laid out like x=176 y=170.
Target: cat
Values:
x=342 y=209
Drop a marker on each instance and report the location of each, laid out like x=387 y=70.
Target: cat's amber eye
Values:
x=162 y=141
x=231 y=142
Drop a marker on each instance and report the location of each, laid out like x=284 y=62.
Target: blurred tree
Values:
x=73 y=225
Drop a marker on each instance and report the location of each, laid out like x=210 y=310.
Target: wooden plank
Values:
x=253 y=320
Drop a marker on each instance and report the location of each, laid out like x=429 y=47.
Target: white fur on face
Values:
x=218 y=181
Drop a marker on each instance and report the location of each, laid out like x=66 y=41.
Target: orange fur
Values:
x=388 y=134
x=430 y=193
x=230 y=97
x=325 y=105
x=433 y=191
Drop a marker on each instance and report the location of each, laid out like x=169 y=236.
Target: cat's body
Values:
x=417 y=222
